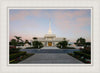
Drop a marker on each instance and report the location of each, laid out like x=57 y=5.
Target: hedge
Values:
x=77 y=53
x=16 y=55
x=14 y=50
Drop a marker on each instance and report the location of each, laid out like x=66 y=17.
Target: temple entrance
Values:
x=49 y=43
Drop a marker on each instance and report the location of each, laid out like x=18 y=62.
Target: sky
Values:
x=69 y=23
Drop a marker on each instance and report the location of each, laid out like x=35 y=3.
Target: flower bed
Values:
x=86 y=58
x=17 y=57
x=81 y=54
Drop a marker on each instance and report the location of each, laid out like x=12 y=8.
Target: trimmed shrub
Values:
x=16 y=55
x=37 y=44
x=87 y=51
x=77 y=53
x=29 y=48
x=70 y=47
x=14 y=50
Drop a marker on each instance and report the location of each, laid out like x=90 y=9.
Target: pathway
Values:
x=51 y=58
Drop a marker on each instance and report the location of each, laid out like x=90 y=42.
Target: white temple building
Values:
x=49 y=39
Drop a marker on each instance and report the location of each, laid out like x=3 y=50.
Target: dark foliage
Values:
x=80 y=41
x=16 y=55
x=81 y=54
x=37 y=44
x=14 y=50
x=62 y=44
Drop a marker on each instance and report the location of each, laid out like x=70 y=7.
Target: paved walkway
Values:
x=51 y=58
x=50 y=48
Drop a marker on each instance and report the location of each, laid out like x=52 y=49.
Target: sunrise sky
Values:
x=68 y=23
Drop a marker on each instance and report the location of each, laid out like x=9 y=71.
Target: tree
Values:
x=21 y=43
x=37 y=44
x=64 y=39
x=26 y=41
x=69 y=44
x=13 y=42
x=87 y=46
x=62 y=44
x=18 y=38
x=34 y=38
x=80 y=41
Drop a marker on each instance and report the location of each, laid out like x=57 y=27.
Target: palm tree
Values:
x=22 y=42
x=18 y=38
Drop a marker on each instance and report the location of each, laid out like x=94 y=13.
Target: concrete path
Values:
x=49 y=48
x=51 y=58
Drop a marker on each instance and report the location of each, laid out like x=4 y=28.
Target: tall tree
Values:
x=37 y=44
x=13 y=42
x=80 y=41
x=18 y=38
x=62 y=44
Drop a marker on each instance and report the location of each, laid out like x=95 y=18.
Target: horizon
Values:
x=69 y=23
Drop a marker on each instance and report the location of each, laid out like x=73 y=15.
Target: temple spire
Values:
x=49 y=31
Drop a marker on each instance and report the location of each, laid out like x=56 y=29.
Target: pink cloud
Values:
x=19 y=16
x=68 y=14
x=22 y=14
x=29 y=24
x=83 y=21
x=36 y=13
x=63 y=20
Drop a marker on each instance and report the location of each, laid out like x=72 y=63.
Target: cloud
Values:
x=71 y=21
x=19 y=16
x=68 y=21
x=22 y=14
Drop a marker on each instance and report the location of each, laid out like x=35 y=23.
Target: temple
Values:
x=50 y=39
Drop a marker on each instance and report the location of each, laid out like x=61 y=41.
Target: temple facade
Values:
x=50 y=39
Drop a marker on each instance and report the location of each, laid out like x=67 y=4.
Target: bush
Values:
x=62 y=44
x=29 y=47
x=81 y=54
x=76 y=53
x=70 y=48
x=87 y=51
x=37 y=44
x=16 y=55
x=14 y=50
x=87 y=56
